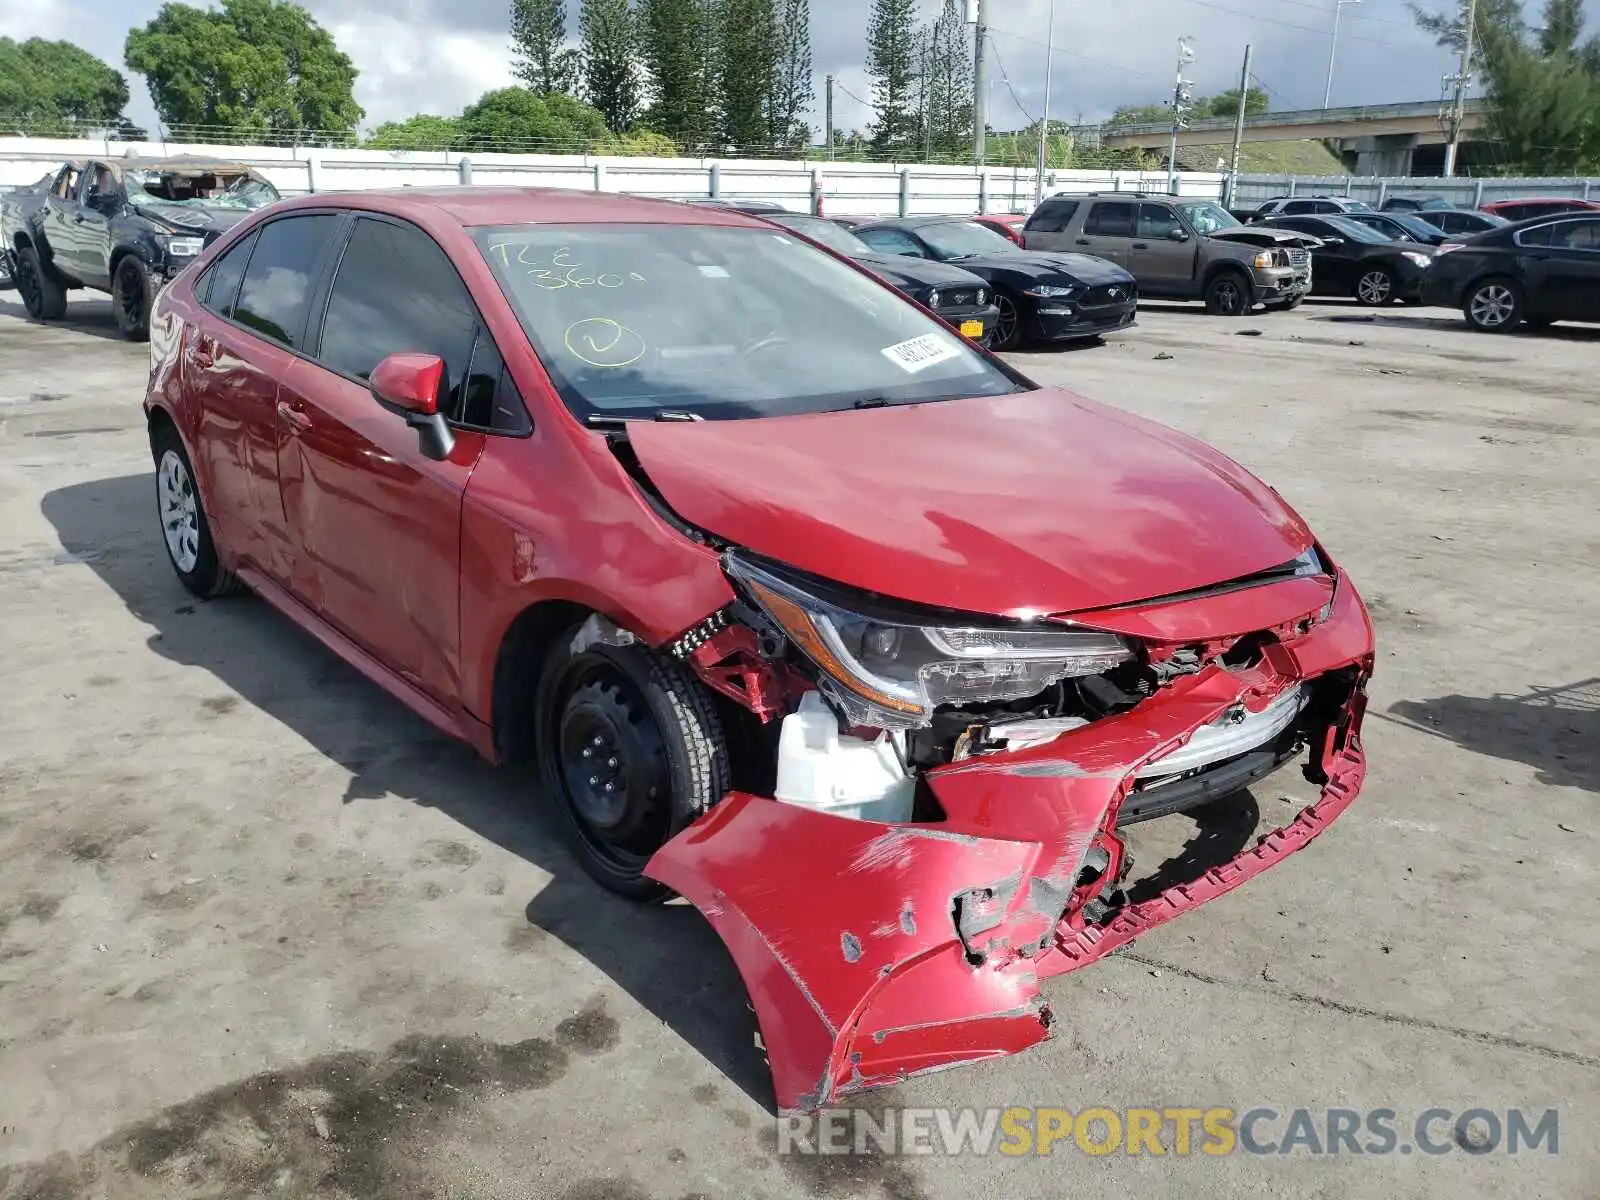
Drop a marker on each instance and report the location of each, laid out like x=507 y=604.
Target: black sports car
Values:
x=1354 y=260
x=960 y=298
x=1538 y=271
x=1051 y=297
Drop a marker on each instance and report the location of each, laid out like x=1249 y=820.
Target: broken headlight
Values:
x=890 y=672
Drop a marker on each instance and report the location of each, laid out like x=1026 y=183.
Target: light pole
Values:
x=1044 y=123
x=1180 y=99
x=1333 y=50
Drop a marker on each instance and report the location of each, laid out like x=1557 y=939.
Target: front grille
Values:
x=1299 y=259
x=957 y=299
x=1111 y=293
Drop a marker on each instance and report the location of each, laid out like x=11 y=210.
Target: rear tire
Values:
x=1229 y=294
x=185 y=529
x=42 y=296
x=1494 y=306
x=631 y=752
x=132 y=292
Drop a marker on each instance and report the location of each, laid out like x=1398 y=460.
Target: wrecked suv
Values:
x=799 y=604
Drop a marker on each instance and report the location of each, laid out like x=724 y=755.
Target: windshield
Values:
x=963 y=239
x=188 y=190
x=1356 y=231
x=1416 y=226
x=720 y=322
x=834 y=237
x=1207 y=218
x=1359 y=206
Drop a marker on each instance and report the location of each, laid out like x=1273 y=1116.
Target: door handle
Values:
x=78 y=218
x=294 y=416
x=1083 y=241
x=1141 y=245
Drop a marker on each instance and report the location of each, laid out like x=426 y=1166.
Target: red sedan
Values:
x=803 y=606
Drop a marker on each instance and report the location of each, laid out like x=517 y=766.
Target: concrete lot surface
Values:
x=262 y=933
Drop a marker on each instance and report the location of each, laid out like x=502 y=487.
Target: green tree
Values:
x=1449 y=27
x=892 y=49
x=611 y=61
x=680 y=50
x=1141 y=114
x=516 y=118
x=542 y=58
x=1226 y=104
x=749 y=72
x=1542 y=95
x=792 y=92
x=947 y=85
x=421 y=132
x=53 y=84
x=257 y=66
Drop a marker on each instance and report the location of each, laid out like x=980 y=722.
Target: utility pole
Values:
x=1044 y=122
x=979 y=15
x=1462 y=80
x=1181 y=94
x=1238 y=128
x=1338 y=11
x=927 y=112
x=830 y=117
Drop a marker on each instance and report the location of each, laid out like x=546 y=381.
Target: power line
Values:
x=1007 y=80
x=1353 y=37
x=1071 y=54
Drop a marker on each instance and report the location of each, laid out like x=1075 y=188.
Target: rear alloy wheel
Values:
x=132 y=291
x=631 y=751
x=1376 y=287
x=1007 y=333
x=42 y=297
x=1494 y=306
x=1229 y=295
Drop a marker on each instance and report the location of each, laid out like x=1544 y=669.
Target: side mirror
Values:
x=1177 y=235
x=408 y=386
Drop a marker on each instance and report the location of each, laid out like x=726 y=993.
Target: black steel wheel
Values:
x=1229 y=294
x=42 y=297
x=132 y=291
x=631 y=751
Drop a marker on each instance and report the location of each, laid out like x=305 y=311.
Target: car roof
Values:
x=471 y=206
x=915 y=222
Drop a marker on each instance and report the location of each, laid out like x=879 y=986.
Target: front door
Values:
x=1159 y=261
x=376 y=523
x=101 y=198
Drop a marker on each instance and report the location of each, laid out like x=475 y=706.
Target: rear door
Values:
x=260 y=295
x=1108 y=231
x=1572 y=271
x=1158 y=262
x=1046 y=229
x=377 y=522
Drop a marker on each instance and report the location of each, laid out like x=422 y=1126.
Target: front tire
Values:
x=132 y=292
x=185 y=528
x=1494 y=306
x=1229 y=294
x=1007 y=333
x=43 y=298
x=1377 y=287
x=631 y=751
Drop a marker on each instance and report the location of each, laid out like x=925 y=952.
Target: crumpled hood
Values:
x=199 y=219
x=1020 y=505
x=1263 y=235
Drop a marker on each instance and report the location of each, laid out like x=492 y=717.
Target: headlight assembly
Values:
x=934 y=298
x=894 y=673
x=1049 y=291
x=185 y=247
x=1420 y=260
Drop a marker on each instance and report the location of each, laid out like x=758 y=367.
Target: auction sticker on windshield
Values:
x=920 y=353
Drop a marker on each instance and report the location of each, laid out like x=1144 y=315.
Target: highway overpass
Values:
x=1380 y=136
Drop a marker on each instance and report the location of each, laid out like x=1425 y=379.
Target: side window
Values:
x=219 y=287
x=1111 y=218
x=1297 y=206
x=892 y=241
x=1517 y=212
x=395 y=292
x=1053 y=216
x=491 y=400
x=276 y=291
x=1576 y=235
x=66 y=183
x=1157 y=221
x=1539 y=235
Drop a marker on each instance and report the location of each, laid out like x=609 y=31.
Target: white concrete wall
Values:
x=848 y=188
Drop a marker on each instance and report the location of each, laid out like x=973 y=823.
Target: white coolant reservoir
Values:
x=846 y=776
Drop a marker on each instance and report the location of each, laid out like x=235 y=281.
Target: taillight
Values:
x=1448 y=246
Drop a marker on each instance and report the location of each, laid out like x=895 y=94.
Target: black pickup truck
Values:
x=123 y=226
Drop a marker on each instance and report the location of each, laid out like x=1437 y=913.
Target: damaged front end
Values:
x=943 y=826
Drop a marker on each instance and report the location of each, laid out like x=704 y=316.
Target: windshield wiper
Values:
x=872 y=402
x=605 y=421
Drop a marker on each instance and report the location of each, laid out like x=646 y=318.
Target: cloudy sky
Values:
x=438 y=55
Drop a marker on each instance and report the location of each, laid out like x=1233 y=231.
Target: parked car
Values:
x=123 y=226
x=1525 y=207
x=1401 y=227
x=1354 y=260
x=1406 y=204
x=747 y=206
x=1185 y=249
x=1460 y=222
x=1043 y=297
x=1536 y=272
x=1283 y=206
x=1007 y=225
x=961 y=299
x=799 y=605
x=854 y=222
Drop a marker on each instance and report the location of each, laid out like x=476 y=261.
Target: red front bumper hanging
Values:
x=876 y=952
